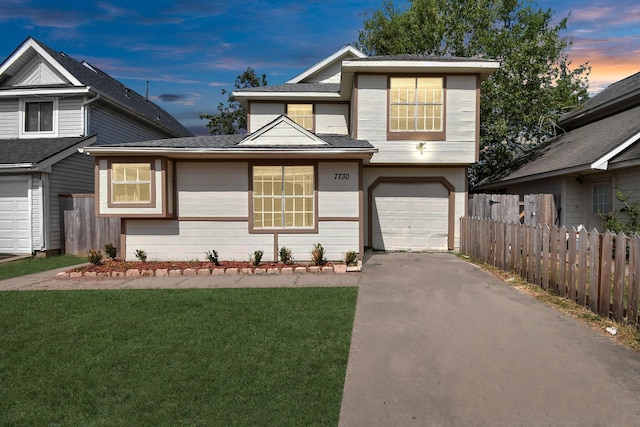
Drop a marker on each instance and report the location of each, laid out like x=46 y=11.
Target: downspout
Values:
x=86 y=113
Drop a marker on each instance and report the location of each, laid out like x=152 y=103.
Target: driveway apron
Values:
x=439 y=342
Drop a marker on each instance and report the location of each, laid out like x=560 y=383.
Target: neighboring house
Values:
x=584 y=167
x=354 y=152
x=50 y=106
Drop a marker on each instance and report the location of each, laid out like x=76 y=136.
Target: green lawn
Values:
x=36 y=265
x=196 y=357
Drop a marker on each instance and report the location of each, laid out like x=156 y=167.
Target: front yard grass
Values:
x=227 y=357
x=36 y=265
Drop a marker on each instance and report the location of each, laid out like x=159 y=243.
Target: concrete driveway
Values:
x=439 y=342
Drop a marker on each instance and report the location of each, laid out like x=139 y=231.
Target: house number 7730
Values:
x=337 y=176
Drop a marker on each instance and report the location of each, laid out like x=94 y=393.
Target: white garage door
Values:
x=410 y=216
x=15 y=229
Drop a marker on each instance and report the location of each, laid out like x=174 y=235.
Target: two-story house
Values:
x=354 y=152
x=50 y=106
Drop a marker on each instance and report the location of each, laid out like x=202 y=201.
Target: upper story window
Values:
x=131 y=183
x=302 y=114
x=38 y=118
x=283 y=197
x=416 y=108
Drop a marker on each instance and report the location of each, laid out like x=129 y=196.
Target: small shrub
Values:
x=110 y=250
x=351 y=258
x=285 y=255
x=317 y=255
x=141 y=255
x=212 y=256
x=94 y=257
x=256 y=258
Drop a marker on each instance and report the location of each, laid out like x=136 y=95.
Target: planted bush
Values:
x=285 y=255
x=212 y=256
x=110 y=250
x=256 y=258
x=317 y=255
x=351 y=258
x=94 y=257
x=141 y=255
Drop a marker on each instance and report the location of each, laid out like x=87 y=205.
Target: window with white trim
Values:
x=416 y=107
x=601 y=197
x=38 y=118
x=283 y=197
x=131 y=183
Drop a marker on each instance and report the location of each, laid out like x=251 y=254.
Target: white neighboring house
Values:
x=356 y=152
x=50 y=106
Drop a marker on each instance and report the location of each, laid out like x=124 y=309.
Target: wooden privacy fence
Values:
x=81 y=229
x=600 y=271
x=534 y=209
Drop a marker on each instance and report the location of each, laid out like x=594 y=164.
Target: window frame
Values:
x=293 y=118
x=283 y=229
x=23 y=133
x=422 y=135
x=596 y=203
x=152 y=184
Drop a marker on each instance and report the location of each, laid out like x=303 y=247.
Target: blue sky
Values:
x=189 y=50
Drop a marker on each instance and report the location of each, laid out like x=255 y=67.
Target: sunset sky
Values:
x=189 y=50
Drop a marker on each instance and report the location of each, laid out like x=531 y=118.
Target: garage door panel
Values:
x=15 y=223
x=410 y=216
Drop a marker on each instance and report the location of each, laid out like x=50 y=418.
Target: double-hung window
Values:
x=416 y=108
x=283 y=197
x=302 y=114
x=38 y=117
x=601 y=197
x=131 y=183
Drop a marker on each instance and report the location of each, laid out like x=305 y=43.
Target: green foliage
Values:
x=626 y=219
x=212 y=256
x=231 y=117
x=317 y=255
x=94 y=257
x=141 y=255
x=351 y=258
x=522 y=101
x=256 y=257
x=285 y=255
x=110 y=250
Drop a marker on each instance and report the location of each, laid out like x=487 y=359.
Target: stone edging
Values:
x=164 y=272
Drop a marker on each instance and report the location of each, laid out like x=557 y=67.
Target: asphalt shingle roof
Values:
x=14 y=151
x=296 y=87
x=580 y=147
x=96 y=78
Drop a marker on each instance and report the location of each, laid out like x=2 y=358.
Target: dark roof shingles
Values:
x=14 y=151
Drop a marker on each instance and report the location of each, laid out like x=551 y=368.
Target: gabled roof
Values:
x=34 y=154
x=83 y=74
x=346 y=52
x=603 y=144
x=617 y=97
x=285 y=132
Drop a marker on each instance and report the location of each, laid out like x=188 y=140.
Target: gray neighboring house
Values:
x=597 y=155
x=51 y=106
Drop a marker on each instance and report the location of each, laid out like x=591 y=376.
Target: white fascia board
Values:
x=288 y=95
x=603 y=162
x=485 y=68
x=18 y=167
x=11 y=93
x=327 y=61
x=237 y=153
x=31 y=43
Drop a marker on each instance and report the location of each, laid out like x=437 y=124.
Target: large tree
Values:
x=523 y=100
x=231 y=117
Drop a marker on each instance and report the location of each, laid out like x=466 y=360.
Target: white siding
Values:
x=263 y=113
x=189 y=240
x=336 y=237
x=73 y=175
x=35 y=73
x=112 y=126
x=338 y=194
x=70 y=118
x=212 y=189
x=104 y=208
x=9 y=118
x=456 y=176
x=332 y=118
x=330 y=74
x=460 y=144
x=37 y=217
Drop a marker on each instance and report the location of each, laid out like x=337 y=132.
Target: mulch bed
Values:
x=122 y=266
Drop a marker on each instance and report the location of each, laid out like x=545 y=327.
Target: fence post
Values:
x=583 y=239
x=634 y=277
x=595 y=240
x=604 y=285
x=571 y=289
x=619 y=274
